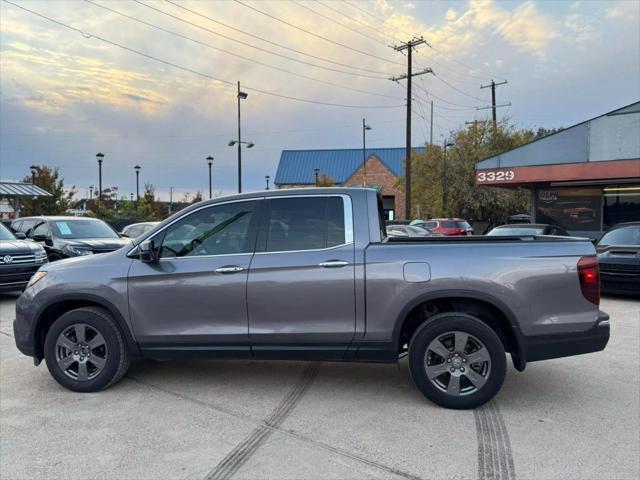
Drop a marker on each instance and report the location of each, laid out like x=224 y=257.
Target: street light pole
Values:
x=445 y=185
x=34 y=169
x=267 y=178
x=137 y=169
x=99 y=156
x=316 y=171
x=210 y=163
x=241 y=96
x=365 y=127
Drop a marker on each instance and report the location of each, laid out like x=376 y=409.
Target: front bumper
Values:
x=23 y=331
x=545 y=347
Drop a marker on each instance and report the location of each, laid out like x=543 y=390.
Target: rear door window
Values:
x=305 y=223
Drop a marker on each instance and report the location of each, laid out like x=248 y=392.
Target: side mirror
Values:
x=594 y=241
x=20 y=235
x=39 y=238
x=148 y=251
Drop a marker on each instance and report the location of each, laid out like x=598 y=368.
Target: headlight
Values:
x=76 y=251
x=40 y=256
x=39 y=275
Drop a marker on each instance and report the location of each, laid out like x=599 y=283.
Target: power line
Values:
x=257 y=62
x=270 y=52
x=361 y=22
x=190 y=70
x=266 y=14
x=199 y=14
x=326 y=17
x=457 y=89
x=383 y=21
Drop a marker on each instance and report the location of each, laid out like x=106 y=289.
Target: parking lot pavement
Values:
x=576 y=418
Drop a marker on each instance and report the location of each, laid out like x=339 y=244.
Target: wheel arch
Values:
x=483 y=306
x=48 y=314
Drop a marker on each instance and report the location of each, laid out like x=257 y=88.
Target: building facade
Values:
x=585 y=178
x=378 y=168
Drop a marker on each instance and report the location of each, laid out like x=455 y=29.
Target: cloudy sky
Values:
x=153 y=82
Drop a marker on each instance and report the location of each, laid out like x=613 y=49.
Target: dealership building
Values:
x=585 y=178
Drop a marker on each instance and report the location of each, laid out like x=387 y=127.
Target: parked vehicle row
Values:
x=310 y=274
x=19 y=260
x=65 y=237
x=619 y=258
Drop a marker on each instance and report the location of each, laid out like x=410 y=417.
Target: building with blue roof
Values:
x=347 y=167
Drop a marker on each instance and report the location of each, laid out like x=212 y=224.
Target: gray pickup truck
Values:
x=310 y=274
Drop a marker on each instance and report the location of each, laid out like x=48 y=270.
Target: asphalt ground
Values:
x=571 y=418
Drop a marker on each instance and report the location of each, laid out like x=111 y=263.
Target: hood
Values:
x=99 y=243
x=14 y=247
x=619 y=254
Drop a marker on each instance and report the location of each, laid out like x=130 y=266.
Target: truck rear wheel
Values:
x=457 y=361
x=85 y=350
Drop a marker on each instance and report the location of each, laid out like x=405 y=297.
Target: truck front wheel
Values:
x=457 y=361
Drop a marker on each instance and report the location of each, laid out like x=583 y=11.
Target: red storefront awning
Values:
x=588 y=171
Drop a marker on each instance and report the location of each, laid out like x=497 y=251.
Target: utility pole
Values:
x=493 y=107
x=170 y=199
x=431 y=127
x=409 y=46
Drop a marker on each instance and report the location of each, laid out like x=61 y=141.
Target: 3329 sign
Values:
x=495 y=176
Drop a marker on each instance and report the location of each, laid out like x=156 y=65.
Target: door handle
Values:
x=232 y=269
x=333 y=264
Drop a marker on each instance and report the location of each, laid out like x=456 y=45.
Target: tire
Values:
x=103 y=352
x=434 y=355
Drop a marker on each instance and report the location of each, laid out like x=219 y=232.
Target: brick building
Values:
x=381 y=170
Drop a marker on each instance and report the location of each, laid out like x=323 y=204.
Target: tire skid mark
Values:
x=495 y=459
x=242 y=452
x=289 y=433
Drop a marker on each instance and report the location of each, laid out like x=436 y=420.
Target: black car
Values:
x=526 y=229
x=619 y=258
x=19 y=260
x=64 y=237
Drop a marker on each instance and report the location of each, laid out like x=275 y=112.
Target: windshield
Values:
x=5 y=234
x=463 y=224
x=516 y=231
x=82 y=229
x=622 y=236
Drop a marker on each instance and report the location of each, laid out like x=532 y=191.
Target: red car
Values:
x=447 y=226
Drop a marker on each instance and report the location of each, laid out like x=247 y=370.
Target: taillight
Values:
x=589 y=274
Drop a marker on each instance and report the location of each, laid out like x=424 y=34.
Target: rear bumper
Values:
x=545 y=347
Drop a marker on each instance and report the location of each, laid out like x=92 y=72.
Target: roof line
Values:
x=561 y=131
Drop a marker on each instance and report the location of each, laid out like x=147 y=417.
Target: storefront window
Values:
x=573 y=208
x=621 y=204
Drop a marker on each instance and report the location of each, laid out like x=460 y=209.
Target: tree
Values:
x=49 y=179
x=197 y=197
x=325 y=180
x=464 y=197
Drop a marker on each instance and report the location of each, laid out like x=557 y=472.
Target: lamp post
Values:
x=445 y=186
x=210 y=163
x=365 y=127
x=34 y=170
x=241 y=96
x=267 y=178
x=99 y=156
x=316 y=171
x=137 y=169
